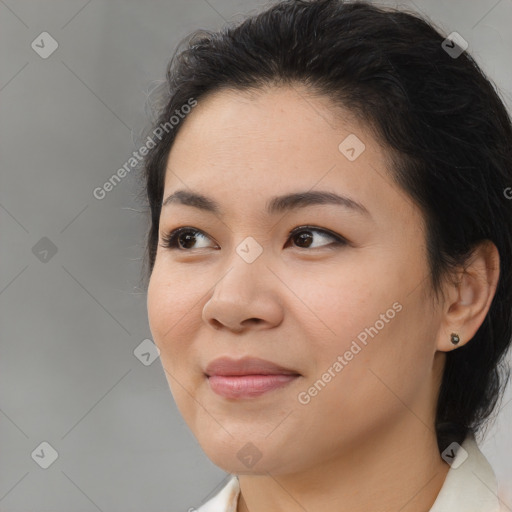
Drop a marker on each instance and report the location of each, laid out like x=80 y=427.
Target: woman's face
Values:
x=354 y=320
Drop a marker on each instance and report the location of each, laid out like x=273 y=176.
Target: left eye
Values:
x=304 y=235
x=183 y=238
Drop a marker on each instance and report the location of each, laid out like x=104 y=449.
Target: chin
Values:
x=239 y=455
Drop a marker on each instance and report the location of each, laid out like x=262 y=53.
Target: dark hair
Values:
x=446 y=131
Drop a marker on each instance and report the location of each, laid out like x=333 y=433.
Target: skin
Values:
x=366 y=441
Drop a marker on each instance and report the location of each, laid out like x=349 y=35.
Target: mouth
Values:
x=247 y=386
x=248 y=377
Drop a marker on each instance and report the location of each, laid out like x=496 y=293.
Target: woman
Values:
x=351 y=372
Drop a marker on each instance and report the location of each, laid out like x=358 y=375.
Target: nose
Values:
x=246 y=297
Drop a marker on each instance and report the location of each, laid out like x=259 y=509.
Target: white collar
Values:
x=470 y=485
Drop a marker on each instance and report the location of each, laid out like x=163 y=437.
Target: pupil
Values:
x=189 y=238
x=303 y=236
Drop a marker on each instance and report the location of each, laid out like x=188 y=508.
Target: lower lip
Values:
x=247 y=386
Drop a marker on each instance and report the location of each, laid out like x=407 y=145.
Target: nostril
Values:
x=216 y=324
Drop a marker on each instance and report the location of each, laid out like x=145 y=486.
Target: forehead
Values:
x=245 y=147
x=279 y=116
x=284 y=131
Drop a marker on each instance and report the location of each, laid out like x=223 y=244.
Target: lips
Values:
x=246 y=366
x=248 y=377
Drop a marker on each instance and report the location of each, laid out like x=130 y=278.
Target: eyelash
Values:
x=170 y=239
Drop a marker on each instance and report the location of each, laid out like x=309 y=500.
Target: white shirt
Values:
x=470 y=485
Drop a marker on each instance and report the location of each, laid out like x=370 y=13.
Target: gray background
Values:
x=70 y=321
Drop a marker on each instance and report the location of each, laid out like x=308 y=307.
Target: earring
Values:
x=455 y=338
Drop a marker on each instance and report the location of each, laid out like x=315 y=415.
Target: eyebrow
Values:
x=275 y=205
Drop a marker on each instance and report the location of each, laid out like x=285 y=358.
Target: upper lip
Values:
x=246 y=366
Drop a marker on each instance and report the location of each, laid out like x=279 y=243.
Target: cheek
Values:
x=365 y=333
x=336 y=307
x=171 y=309
x=157 y=304
x=385 y=365
x=369 y=386
x=170 y=305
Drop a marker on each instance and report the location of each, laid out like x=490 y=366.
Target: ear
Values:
x=469 y=299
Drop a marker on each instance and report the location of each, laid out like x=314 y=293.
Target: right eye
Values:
x=181 y=238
